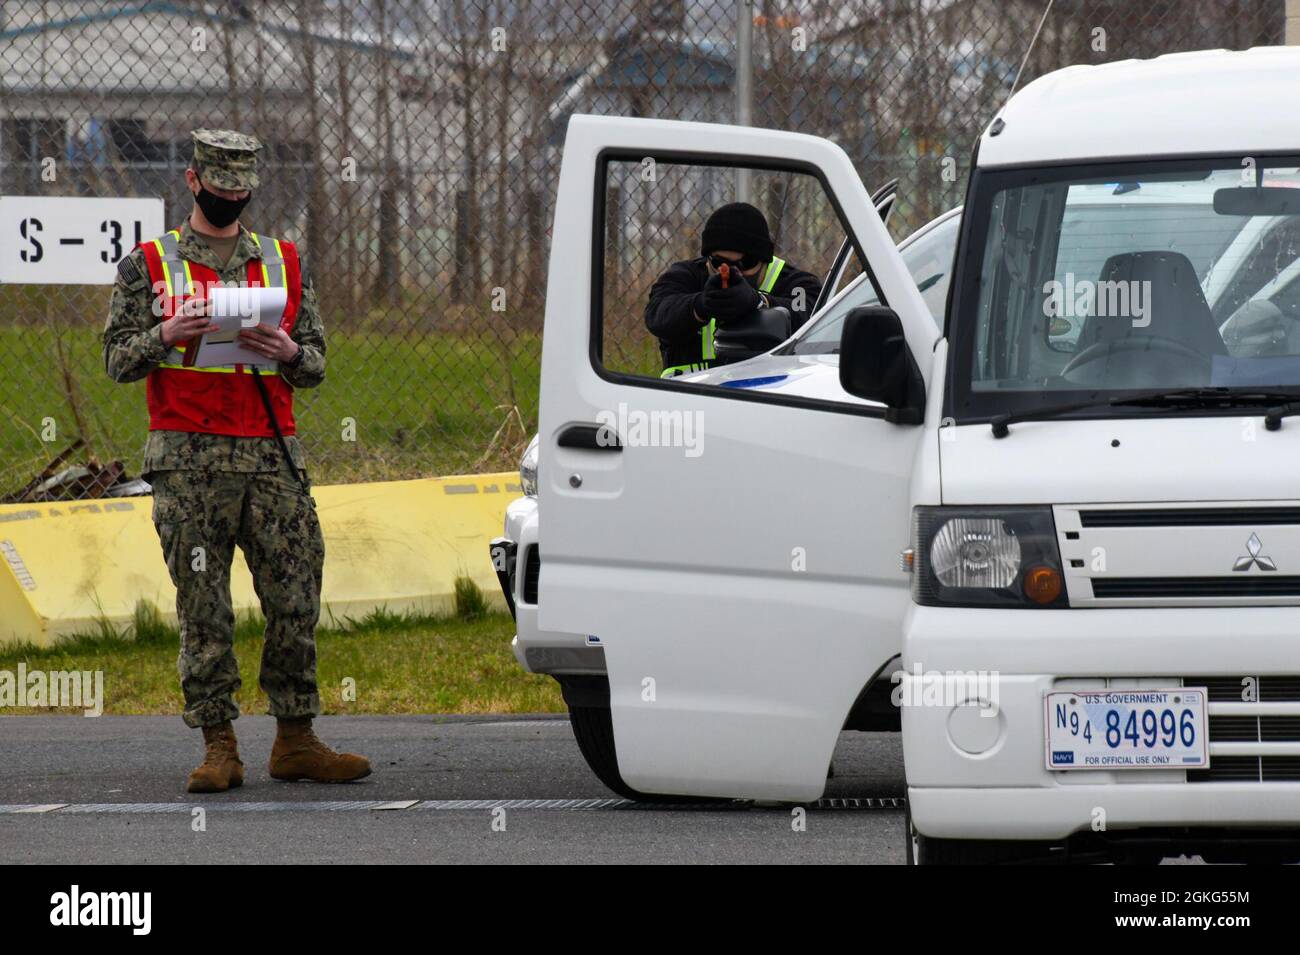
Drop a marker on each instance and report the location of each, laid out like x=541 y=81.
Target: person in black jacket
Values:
x=688 y=302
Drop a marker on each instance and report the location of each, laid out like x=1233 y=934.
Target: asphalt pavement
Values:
x=445 y=789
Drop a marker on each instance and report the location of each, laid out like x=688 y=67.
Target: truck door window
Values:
x=657 y=284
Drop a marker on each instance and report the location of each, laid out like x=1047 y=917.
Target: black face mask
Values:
x=220 y=212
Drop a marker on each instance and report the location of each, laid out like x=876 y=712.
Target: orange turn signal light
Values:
x=1042 y=584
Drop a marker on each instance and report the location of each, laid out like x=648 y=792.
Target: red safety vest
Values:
x=223 y=399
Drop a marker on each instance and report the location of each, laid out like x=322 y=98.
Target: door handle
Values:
x=590 y=437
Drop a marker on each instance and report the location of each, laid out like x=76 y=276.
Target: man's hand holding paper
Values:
x=246 y=328
x=189 y=322
x=274 y=344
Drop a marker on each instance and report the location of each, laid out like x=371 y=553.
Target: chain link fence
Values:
x=412 y=149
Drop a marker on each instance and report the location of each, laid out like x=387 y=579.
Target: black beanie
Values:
x=738 y=226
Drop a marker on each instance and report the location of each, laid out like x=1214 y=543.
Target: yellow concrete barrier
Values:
x=394 y=544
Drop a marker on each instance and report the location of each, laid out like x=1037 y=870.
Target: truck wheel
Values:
x=587 y=698
x=923 y=850
x=593 y=728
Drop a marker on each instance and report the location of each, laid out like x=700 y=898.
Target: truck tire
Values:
x=593 y=728
x=587 y=697
x=923 y=850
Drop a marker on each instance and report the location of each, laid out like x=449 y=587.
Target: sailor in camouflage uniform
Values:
x=219 y=465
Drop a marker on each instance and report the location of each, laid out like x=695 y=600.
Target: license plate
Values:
x=1127 y=729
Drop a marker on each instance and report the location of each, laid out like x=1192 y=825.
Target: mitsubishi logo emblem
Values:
x=1253 y=558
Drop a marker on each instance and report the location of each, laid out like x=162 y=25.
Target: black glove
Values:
x=737 y=300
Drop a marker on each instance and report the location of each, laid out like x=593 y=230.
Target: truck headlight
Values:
x=986 y=557
x=528 y=468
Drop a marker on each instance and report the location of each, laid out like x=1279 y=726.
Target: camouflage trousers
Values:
x=201 y=516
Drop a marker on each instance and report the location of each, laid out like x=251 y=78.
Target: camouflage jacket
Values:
x=133 y=347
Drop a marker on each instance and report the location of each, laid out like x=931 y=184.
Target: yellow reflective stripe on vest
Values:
x=708 y=352
x=676 y=370
x=274 y=275
x=166 y=267
x=219 y=369
x=174 y=267
x=174 y=261
x=773 y=271
x=167 y=272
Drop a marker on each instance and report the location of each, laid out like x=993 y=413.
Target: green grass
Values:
x=408 y=391
x=420 y=402
x=398 y=664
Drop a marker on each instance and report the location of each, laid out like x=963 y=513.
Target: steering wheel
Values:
x=1171 y=352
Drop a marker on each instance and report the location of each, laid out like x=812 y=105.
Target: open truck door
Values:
x=841 y=270
x=744 y=579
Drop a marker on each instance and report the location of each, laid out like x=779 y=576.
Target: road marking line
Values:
x=859 y=803
x=553 y=805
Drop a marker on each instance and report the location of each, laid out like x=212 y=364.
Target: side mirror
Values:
x=751 y=335
x=1256 y=330
x=876 y=364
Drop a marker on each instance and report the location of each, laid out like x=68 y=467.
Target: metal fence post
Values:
x=744 y=85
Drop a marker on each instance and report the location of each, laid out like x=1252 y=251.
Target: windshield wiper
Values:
x=1273 y=419
x=1174 y=398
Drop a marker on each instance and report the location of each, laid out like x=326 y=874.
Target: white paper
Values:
x=233 y=309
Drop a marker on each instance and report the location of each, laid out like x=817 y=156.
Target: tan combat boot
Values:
x=221 y=768
x=298 y=754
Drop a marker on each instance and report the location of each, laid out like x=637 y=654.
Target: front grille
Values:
x=1245 y=585
x=1244 y=689
x=1254 y=729
x=1248 y=769
x=1190 y=517
x=1233 y=728
x=532 y=568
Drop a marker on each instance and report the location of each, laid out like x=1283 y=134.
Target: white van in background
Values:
x=1089 y=471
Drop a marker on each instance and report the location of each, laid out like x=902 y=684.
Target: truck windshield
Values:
x=1099 y=280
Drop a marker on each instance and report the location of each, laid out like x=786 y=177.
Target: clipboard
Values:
x=234 y=309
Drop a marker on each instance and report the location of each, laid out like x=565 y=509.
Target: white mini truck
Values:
x=1061 y=531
